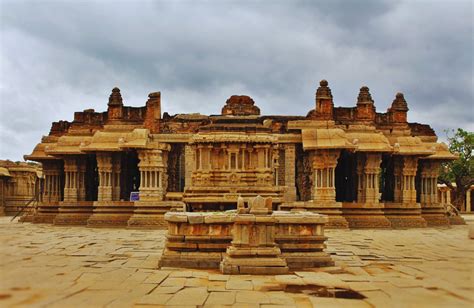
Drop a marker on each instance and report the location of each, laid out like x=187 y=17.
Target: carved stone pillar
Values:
x=153 y=179
x=52 y=182
x=370 y=178
x=190 y=164
x=324 y=165
x=70 y=179
x=116 y=170
x=432 y=210
x=429 y=180
x=405 y=172
x=104 y=166
x=290 y=181
x=81 y=175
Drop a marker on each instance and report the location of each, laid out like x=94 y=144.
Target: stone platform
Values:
x=56 y=266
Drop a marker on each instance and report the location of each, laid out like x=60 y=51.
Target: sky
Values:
x=57 y=57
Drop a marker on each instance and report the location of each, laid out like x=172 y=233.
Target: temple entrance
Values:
x=92 y=178
x=387 y=178
x=346 y=177
x=130 y=175
x=176 y=168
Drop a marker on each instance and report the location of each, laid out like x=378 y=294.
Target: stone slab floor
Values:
x=51 y=266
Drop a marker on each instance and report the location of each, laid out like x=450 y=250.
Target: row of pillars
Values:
x=152 y=171
x=324 y=163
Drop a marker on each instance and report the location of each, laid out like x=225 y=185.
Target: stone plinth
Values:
x=74 y=213
x=365 y=215
x=300 y=237
x=253 y=249
x=404 y=215
x=150 y=214
x=201 y=240
x=46 y=212
x=111 y=214
x=196 y=240
x=435 y=215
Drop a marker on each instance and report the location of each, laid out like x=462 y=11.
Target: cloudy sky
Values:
x=57 y=57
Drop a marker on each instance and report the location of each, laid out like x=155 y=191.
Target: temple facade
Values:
x=128 y=166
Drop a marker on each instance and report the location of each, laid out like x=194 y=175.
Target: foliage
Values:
x=460 y=171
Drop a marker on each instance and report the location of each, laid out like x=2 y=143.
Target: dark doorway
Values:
x=176 y=168
x=387 y=178
x=130 y=175
x=346 y=177
x=92 y=178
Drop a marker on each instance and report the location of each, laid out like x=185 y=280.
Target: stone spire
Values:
x=398 y=111
x=115 y=99
x=153 y=112
x=399 y=103
x=323 y=91
x=324 y=102
x=364 y=96
x=365 y=110
x=115 y=105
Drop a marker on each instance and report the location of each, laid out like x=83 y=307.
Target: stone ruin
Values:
x=248 y=240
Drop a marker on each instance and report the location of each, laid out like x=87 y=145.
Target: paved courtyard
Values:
x=44 y=265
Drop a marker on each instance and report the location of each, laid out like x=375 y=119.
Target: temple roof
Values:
x=410 y=146
x=325 y=138
x=369 y=141
x=4 y=172
x=441 y=151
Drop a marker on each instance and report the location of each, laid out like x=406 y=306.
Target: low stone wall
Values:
x=200 y=240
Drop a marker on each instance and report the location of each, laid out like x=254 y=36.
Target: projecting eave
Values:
x=441 y=152
x=411 y=146
x=369 y=142
x=325 y=138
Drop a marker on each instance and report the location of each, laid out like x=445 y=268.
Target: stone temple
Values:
x=129 y=166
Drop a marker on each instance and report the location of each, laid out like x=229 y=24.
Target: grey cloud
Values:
x=58 y=57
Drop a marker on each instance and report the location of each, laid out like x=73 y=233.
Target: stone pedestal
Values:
x=74 y=213
x=404 y=215
x=332 y=210
x=365 y=215
x=111 y=214
x=196 y=240
x=46 y=212
x=300 y=237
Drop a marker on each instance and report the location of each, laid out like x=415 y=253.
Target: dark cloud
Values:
x=58 y=57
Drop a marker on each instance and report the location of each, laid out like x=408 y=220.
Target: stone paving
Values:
x=51 y=266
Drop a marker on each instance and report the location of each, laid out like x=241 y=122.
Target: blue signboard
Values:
x=134 y=196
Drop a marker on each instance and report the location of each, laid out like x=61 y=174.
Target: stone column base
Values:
x=299 y=260
x=332 y=210
x=46 y=212
x=362 y=215
x=110 y=214
x=74 y=214
x=404 y=215
x=435 y=216
x=150 y=214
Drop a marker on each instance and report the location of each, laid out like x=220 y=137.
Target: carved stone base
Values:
x=456 y=220
x=191 y=259
x=111 y=214
x=150 y=215
x=361 y=215
x=299 y=260
x=46 y=212
x=404 y=215
x=435 y=216
x=74 y=214
x=255 y=261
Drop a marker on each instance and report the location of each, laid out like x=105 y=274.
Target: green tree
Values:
x=460 y=171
